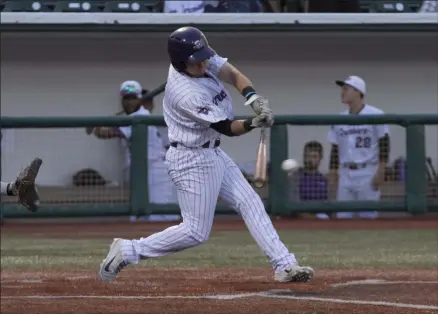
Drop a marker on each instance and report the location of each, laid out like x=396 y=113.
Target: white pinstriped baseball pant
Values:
x=201 y=176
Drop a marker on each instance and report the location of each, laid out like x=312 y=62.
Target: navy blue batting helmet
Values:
x=188 y=44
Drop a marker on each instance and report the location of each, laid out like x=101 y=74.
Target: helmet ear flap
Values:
x=180 y=66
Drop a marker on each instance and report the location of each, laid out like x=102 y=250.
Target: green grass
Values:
x=321 y=249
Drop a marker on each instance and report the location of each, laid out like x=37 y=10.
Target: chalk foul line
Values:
x=226 y=297
x=379 y=282
x=358 y=302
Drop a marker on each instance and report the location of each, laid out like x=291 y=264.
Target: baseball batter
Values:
x=198 y=110
x=359 y=153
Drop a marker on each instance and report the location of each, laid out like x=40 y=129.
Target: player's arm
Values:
x=231 y=75
x=334 y=158
x=333 y=166
x=334 y=153
x=382 y=132
x=384 y=150
x=199 y=109
x=104 y=132
x=233 y=127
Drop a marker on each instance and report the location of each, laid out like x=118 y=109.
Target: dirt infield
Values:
x=215 y=290
x=139 y=290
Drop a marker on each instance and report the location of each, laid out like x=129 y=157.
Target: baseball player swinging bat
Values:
x=198 y=110
x=261 y=162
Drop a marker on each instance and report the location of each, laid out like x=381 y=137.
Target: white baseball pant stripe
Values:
x=201 y=176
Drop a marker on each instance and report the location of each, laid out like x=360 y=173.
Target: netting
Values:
x=358 y=162
x=81 y=169
x=353 y=180
x=77 y=169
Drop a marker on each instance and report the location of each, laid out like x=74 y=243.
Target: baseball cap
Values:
x=131 y=88
x=354 y=81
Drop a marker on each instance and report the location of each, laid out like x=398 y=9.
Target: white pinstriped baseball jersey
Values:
x=202 y=175
x=358 y=143
x=191 y=104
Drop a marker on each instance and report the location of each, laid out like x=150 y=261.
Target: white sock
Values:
x=129 y=254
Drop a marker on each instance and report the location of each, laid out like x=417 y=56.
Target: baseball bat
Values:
x=261 y=162
x=154 y=92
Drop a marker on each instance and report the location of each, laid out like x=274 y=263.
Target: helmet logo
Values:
x=198 y=45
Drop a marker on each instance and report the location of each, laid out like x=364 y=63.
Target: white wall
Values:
x=68 y=74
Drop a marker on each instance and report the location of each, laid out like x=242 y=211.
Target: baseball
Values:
x=289 y=165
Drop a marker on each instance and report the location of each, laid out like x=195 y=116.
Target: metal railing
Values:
x=415 y=200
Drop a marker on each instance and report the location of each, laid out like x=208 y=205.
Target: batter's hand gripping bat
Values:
x=261 y=162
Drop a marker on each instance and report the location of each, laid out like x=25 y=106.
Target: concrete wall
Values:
x=70 y=74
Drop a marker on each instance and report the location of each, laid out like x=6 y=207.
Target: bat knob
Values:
x=259 y=183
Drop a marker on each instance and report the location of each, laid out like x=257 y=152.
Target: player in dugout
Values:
x=161 y=190
x=359 y=153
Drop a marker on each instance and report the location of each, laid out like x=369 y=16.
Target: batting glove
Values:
x=264 y=120
x=258 y=103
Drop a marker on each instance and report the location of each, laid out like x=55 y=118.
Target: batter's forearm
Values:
x=232 y=127
x=242 y=82
x=240 y=127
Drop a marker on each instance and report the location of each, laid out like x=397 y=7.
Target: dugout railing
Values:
x=277 y=203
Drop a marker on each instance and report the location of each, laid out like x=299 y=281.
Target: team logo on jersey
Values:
x=203 y=110
x=219 y=97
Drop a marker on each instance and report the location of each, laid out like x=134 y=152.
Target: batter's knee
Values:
x=199 y=237
x=196 y=234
